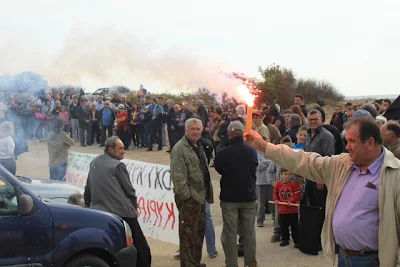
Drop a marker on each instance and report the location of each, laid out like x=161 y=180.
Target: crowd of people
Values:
x=261 y=177
x=259 y=172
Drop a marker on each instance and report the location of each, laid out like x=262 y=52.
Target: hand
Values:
x=274 y=184
x=320 y=187
x=276 y=202
x=87 y=121
x=153 y=118
x=256 y=141
x=278 y=123
x=207 y=129
x=289 y=204
x=172 y=128
x=177 y=119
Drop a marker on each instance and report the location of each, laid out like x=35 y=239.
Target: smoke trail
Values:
x=94 y=58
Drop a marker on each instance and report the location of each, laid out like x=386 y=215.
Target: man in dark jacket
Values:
x=204 y=117
x=321 y=141
x=237 y=163
x=173 y=117
x=74 y=119
x=94 y=124
x=116 y=196
x=155 y=125
x=84 y=123
x=106 y=120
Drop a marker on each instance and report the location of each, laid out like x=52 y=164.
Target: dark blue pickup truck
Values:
x=39 y=233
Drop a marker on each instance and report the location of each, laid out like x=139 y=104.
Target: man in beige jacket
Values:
x=363 y=204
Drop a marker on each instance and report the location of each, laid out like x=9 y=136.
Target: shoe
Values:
x=212 y=256
x=275 y=238
x=177 y=256
x=41 y=140
x=259 y=224
x=240 y=253
x=149 y=150
x=168 y=151
x=159 y=149
x=38 y=141
x=296 y=245
x=101 y=145
x=83 y=145
x=284 y=243
x=89 y=145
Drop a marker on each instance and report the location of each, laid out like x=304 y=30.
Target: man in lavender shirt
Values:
x=362 y=215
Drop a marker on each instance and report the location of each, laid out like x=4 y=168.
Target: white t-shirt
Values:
x=7 y=147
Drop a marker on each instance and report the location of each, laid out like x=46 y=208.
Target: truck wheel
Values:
x=87 y=261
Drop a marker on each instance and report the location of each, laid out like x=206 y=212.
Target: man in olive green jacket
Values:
x=192 y=187
x=377 y=198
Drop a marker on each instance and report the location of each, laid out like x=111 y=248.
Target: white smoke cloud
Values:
x=94 y=58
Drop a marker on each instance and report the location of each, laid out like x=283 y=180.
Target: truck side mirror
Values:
x=25 y=205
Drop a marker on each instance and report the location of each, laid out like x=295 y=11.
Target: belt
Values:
x=349 y=252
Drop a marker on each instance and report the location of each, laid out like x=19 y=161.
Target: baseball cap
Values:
x=257 y=112
x=236 y=127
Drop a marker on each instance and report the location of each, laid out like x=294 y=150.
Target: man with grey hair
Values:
x=371 y=109
x=109 y=188
x=294 y=125
x=390 y=132
x=237 y=164
x=85 y=131
x=241 y=112
x=192 y=187
x=106 y=121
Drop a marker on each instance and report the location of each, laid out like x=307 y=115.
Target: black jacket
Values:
x=72 y=111
x=237 y=164
x=83 y=115
x=339 y=146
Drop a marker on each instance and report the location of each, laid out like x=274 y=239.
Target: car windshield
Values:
x=98 y=91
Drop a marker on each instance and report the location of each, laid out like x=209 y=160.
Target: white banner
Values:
x=158 y=215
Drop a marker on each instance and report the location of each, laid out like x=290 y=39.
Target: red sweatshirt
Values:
x=287 y=193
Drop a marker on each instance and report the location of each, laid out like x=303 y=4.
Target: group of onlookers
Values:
x=279 y=182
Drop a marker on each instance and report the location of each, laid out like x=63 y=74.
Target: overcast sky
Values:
x=352 y=44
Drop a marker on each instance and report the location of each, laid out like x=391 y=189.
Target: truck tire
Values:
x=87 y=261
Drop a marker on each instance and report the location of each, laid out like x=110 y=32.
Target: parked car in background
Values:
x=42 y=232
x=109 y=91
x=50 y=190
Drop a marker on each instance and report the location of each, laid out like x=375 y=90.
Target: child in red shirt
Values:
x=288 y=192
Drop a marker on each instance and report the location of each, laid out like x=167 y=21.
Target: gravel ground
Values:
x=34 y=164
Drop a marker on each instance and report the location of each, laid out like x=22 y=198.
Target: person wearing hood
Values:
x=7 y=146
x=58 y=145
